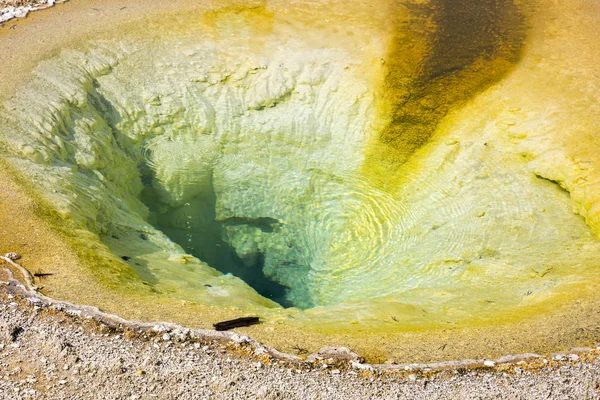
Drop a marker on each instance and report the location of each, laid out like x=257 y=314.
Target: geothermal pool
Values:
x=356 y=174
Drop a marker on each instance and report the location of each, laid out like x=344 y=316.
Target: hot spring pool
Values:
x=384 y=176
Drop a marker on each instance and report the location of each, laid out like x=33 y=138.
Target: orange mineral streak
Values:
x=441 y=54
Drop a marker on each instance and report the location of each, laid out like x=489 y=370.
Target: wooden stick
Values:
x=236 y=323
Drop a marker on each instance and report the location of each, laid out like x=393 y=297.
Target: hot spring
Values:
x=392 y=176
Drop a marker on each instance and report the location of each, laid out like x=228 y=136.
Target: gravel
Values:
x=10 y=9
x=49 y=352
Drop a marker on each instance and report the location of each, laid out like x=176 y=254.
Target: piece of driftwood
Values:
x=236 y=323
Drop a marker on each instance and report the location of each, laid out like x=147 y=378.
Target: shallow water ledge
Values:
x=327 y=357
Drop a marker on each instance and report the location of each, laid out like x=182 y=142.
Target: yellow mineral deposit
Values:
x=417 y=180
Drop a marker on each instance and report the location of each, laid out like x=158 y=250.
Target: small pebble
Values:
x=12 y=256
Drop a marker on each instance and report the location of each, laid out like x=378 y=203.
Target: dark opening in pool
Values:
x=202 y=235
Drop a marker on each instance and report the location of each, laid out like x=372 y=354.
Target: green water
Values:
x=195 y=227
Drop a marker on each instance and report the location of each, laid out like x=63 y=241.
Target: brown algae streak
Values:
x=441 y=55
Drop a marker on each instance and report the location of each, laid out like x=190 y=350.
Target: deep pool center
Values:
x=382 y=176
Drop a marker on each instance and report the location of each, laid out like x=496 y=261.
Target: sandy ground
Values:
x=49 y=350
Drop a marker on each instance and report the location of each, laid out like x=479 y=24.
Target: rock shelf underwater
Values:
x=381 y=169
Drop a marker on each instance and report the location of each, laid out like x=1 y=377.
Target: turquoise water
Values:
x=195 y=227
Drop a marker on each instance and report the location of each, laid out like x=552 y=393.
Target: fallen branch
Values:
x=236 y=323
